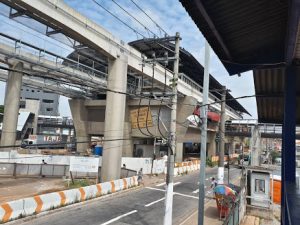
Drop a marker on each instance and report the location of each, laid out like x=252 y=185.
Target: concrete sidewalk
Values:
x=211 y=215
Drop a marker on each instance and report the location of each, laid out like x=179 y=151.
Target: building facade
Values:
x=49 y=102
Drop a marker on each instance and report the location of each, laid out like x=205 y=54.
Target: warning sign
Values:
x=140 y=116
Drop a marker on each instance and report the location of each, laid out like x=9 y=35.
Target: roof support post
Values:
x=288 y=168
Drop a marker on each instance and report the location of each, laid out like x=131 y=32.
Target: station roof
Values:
x=188 y=65
x=253 y=35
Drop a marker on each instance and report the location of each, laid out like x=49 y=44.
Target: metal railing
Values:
x=199 y=88
x=60 y=61
x=238 y=209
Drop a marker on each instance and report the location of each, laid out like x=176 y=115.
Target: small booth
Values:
x=259 y=185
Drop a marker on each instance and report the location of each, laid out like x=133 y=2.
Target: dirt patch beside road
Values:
x=13 y=189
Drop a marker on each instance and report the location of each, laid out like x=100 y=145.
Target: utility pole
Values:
x=172 y=141
x=222 y=138
x=203 y=115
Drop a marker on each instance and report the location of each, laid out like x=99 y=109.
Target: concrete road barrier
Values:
x=30 y=206
x=186 y=167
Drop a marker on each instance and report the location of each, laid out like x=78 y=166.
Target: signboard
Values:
x=140 y=116
x=84 y=164
x=45 y=138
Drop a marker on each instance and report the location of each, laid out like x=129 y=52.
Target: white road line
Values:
x=152 y=203
x=119 y=217
x=175 y=193
x=189 y=196
x=196 y=191
x=156 y=189
x=159 y=185
x=162 y=184
x=176 y=183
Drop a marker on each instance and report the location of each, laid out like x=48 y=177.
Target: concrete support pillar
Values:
x=232 y=147
x=80 y=120
x=11 y=106
x=211 y=144
x=127 y=144
x=255 y=146
x=179 y=152
x=114 y=119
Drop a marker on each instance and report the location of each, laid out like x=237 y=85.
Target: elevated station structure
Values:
x=262 y=36
x=104 y=80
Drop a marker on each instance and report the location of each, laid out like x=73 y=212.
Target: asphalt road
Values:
x=143 y=206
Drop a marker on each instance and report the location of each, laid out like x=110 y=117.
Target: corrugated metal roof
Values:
x=269 y=87
x=253 y=32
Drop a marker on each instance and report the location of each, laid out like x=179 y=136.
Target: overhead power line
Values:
x=146 y=97
x=131 y=28
x=149 y=17
x=139 y=22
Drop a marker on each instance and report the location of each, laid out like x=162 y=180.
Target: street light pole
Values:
x=172 y=143
x=222 y=137
x=203 y=115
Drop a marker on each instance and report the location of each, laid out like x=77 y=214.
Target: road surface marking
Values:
x=196 y=191
x=152 y=203
x=175 y=193
x=176 y=183
x=156 y=189
x=119 y=217
x=162 y=184
x=189 y=196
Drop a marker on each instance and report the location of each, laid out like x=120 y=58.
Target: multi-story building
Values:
x=48 y=101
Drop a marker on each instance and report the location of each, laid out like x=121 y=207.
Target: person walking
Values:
x=214 y=183
x=140 y=177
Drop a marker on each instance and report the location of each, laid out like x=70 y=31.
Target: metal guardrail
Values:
x=234 y=216
x=238 y=209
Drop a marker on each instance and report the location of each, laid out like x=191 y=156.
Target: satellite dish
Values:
x=194 y=120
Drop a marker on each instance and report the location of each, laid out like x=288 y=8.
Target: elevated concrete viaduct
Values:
x=109 y=117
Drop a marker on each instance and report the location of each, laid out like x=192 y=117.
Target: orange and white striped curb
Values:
x=185 y=167
x=40 y=203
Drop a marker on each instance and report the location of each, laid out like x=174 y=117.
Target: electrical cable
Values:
x=159 y=109
x=63 y=143
x=44 y=156
x=139 y=22
x=149 y=17
x=138 y=117
x=103 y=89
x=145 y=97
x=150 y=101
x=131 y=28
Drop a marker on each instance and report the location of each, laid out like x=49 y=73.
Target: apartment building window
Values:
x=48 y=101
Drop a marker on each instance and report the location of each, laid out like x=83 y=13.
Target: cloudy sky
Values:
x=170 y=15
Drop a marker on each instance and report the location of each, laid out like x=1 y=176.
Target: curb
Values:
x=43 y=204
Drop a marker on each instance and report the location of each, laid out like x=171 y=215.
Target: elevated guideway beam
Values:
x=48 y=68
x=47 y=86
x=59 y=16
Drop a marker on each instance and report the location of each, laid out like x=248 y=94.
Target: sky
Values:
x=170 y=15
